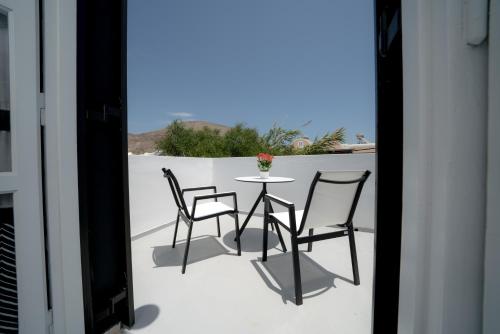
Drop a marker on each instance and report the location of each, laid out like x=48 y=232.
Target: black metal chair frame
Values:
x=295 y=234
x=190 y=217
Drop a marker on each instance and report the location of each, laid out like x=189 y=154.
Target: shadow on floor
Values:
x=145 y=315
x=201 y=248
x=315 y=279
x=153 y=230
x=251 y=240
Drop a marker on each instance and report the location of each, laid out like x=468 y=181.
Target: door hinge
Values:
x=42 y=116
x=41 y=106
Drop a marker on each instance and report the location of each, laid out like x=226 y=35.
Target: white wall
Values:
x=151 y=201
x=152 y=205
x=444 y=197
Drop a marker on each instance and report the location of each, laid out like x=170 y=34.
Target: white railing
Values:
x=152 y=205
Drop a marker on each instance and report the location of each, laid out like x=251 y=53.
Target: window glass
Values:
x=5 y=132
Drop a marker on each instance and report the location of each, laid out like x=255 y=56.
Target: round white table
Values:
x=264 y=182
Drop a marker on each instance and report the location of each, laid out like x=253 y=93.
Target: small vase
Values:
x=264 y=174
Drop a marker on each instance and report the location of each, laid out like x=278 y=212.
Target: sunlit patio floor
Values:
x=223 y=293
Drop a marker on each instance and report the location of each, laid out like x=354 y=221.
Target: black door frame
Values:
x=389 y=163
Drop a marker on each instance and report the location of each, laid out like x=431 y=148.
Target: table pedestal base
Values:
x=250 y=214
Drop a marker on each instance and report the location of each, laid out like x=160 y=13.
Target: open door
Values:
x=103 y=164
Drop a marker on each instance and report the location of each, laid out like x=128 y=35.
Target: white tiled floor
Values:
x=224 y=293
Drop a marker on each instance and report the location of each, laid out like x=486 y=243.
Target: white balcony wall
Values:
x=151 y=201
x=152 y=205
x=302 y=169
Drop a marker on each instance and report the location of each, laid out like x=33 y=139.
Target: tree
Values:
x=208 y=143
x=324 y=144
x=181 y=141
x=242 y=142
x=176 y=140
x=278 y=141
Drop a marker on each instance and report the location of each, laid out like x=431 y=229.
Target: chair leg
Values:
x=218 y=227
x=184 y=262
x=265 y=232
x=237 y=230
x=354 y=258
x=310 y=244
x=296 y=270
x=175 y=232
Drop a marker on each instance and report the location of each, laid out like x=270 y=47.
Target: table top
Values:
x=258 y=179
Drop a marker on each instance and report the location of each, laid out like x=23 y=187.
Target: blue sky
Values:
x=253 y=61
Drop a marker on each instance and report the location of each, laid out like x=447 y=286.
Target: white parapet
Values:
x=152 y=205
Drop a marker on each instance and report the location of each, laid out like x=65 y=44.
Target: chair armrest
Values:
x=199 y=189
x=278 y=200
x=289 y=205
x=215 y=196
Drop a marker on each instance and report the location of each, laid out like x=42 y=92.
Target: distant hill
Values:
x=145 y=142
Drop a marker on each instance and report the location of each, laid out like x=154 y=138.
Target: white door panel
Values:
x=19 y=88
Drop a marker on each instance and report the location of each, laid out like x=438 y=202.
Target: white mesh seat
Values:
x=331 y=202
x=209 y=209
x=284 y=217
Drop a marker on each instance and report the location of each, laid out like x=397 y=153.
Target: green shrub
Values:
x=240 y=141
x=184 y=142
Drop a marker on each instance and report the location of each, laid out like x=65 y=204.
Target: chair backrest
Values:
x=332 y=198
x=176 y=190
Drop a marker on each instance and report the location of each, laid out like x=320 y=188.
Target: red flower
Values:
x=265 y=157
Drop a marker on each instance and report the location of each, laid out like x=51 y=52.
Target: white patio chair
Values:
x=200 y=211
x=332 y=200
